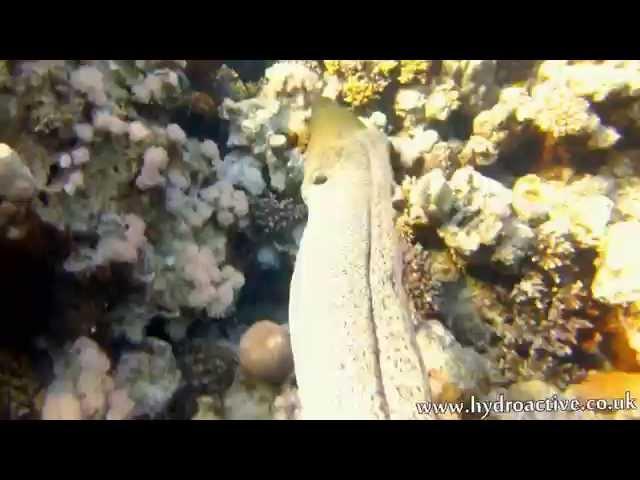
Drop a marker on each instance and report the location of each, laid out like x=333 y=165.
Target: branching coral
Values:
x=363 y=81
x=148 y=378
x=414 y=71
x=196 y=206
x=208 y=368
x=559 y=106
x=46 y=102
x=274 y=216
x=409 y=105
x=556 y=110
x=418 y=144
x=495 y=129
x=426 y=277
x=275 y=121
x=84 y=388
x=196 y=278
x=475 y=80
x=579 y=210
x=83 y=385
x=95 y=183
x=480 y=212
x=531 y=333
x=120 y=240
x=595 y=81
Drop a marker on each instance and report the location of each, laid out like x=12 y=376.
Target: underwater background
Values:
x=152 y=213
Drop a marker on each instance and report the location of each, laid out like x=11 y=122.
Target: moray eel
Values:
x=352 y=336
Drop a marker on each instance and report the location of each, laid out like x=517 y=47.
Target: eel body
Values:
x=352 y=336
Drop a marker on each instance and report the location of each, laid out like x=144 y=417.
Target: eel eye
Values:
x=319 y=179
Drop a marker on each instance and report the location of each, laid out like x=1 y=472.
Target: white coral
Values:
x=617 y=279
x=555 y=109
x=419 y=142
x=106 y=121
x=176 y=134
x=138 y=132
x=89 y=80
x=82 y=384
x=84 y=132
x=80 y=155
x=483 y=206
x=213 y=288
x=146 y=380
x=244 y=170
x=155 y=160
x=210 y=150
x=16 y=181
x=122 y=240
x=281 y=110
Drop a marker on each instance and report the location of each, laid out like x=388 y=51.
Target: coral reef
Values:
x=287 y=405
x=529 y=392
x=617 y=279
x=554 y=237
x=83 y=387
x=145 y=201
x=450 y=364
x=247 y=400
x=20 y=388
x=362 y=81
x=208 y=368
x=148 y=377
x=273 y=125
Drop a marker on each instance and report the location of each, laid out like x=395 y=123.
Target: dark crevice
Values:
x=249 y=70
x=520 y=160
x=458 y=126
x=428 y=238
x=489 y=274
x=201 y=126
x=265 y=286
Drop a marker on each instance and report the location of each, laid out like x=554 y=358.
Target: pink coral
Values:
x=115 y=249
x=155 y=160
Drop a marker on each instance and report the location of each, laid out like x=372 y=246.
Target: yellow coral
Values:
x=363 y=80
x=414 y=70
x=358 y=91
x=607 y=385
x=622 y=324
x=332 y=66
x=344 y=67
x=384 y=67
